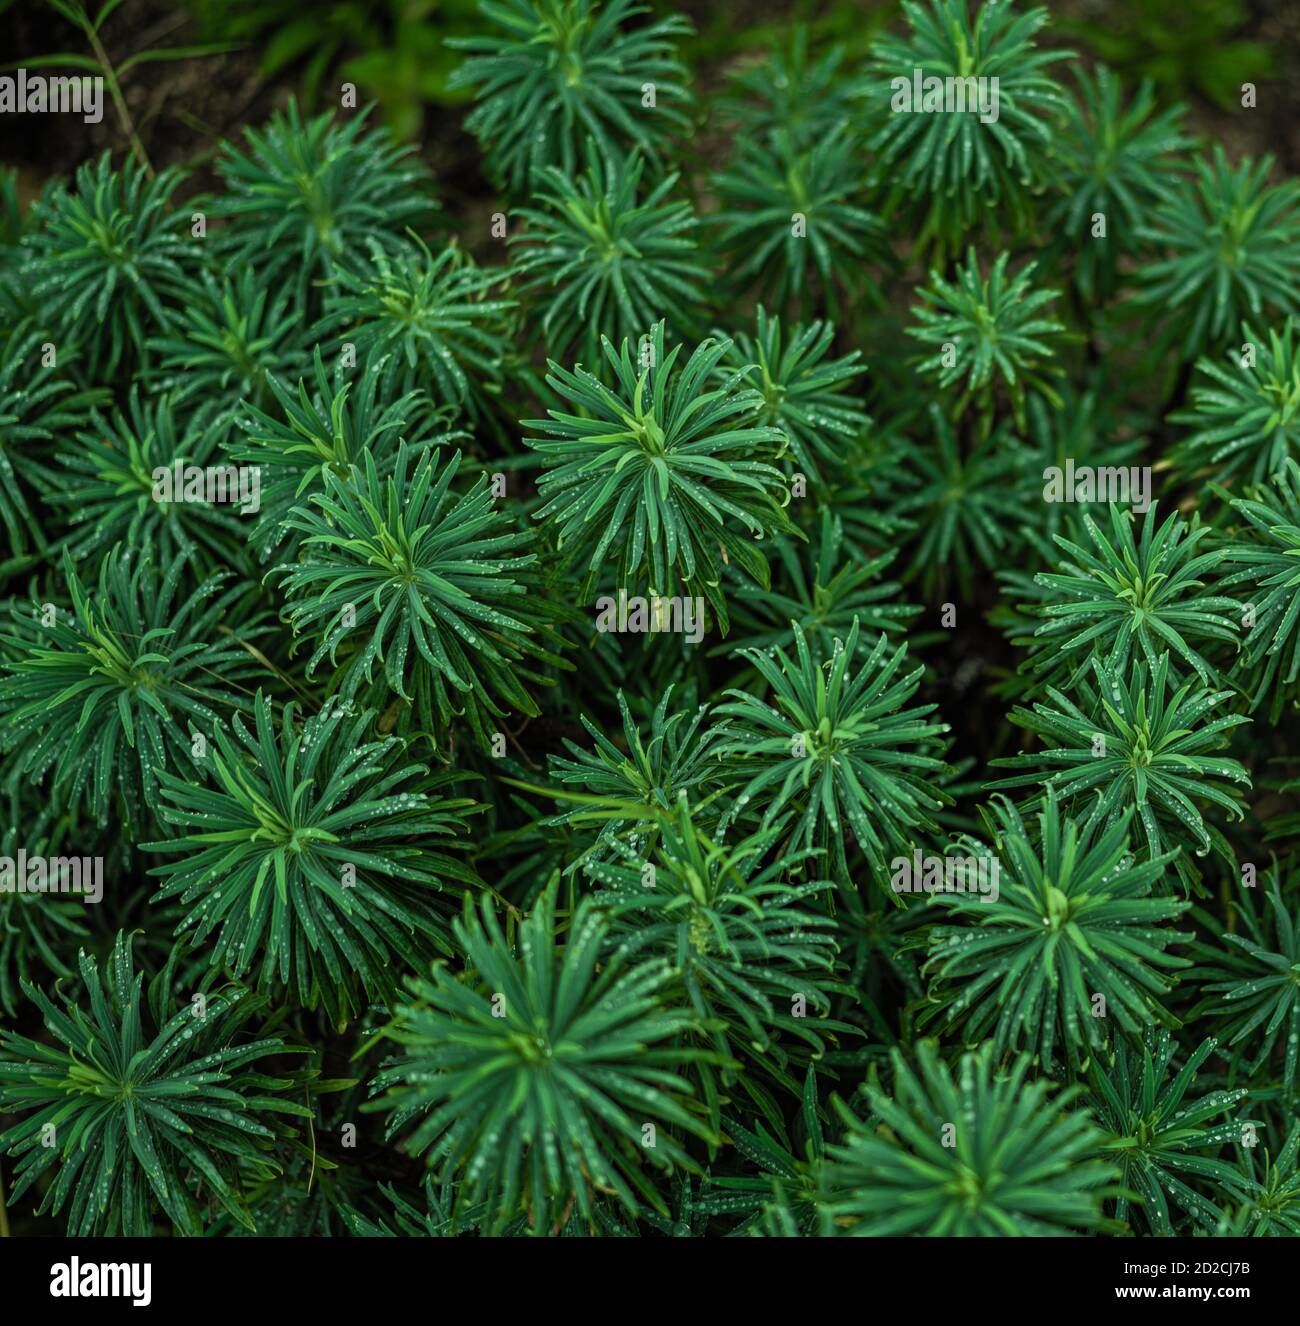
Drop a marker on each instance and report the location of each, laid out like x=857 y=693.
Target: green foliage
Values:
x=1160 y=1136
x=996 y=331
x=838 y=748
x=107 y=263
x=1073 y=922
x=753 y=954
x=105 y=698
x=825 y=597
x=232 y=339
x=308 y=856
x=1250 y=980
x=430 y=584
x=108 y=482
x=510 y=644
x=1019 y=1165
x=36 y=404
x=948 y=174
x=34 y=938
x=1184 y=45
x=1248 y=420
x=1230 y=246
x=603 y=262
x=791 y=92
x=1130 y=596
x=1262 y=557
x=1134 y=745
x=308 y=196
x=1087 y=424
x=967 y=503
x=804 y=392
x=394 y=50
x=555 y=71
x=143 y=1123
x=12 y=220
x=326 y=428
x=428 y=319
x=494 y=1064
x=785 y=1195
x=1267 y=1192
x=793 y=219
x=669 y=464
x=633 y=786
x=1116 y=161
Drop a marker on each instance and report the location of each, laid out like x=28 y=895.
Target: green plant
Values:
x=628 y=789
x=37 y=404
x=309 y=195
x=427 y=320
x=307 y=857
x=109 y=481
x=232 y=339
x=572 y=1054
x=755 y=955
x=804 y=393
x=1229 y=245
x=1159 y=1135
x=988 y=332
x=786 y=1193
x=393 y=50
x=321 y=429
x=1247 y=420
x=603 y=262
x=1073 y=939
x=947 y=174
x=825 y=597
x=1184 y=45
x=965 y=506
x=794 y=220
x=529 y=646
x=838 y=748
x=1115 y=163
x=429 y=584
x=666 y=461
x=790 y=92
x=34 y=938
x=104 y=698
x=563 y=69
x=143 y=1123
x=108 y=262
x=1129 y=596
x=1013 y=1163
x=1133 y=745
x=1267 y=1193
x=1261 y=558
x=1250 y=981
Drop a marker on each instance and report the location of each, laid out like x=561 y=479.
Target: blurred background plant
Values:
x=395 y=51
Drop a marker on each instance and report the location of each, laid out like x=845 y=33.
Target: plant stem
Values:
x=311 y=1128
x=4 y=1210
x=116 y=93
